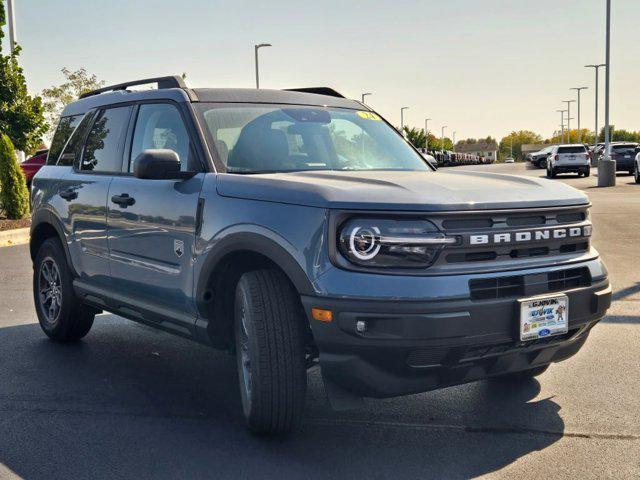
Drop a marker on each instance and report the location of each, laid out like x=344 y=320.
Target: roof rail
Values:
x=172 y=81
x=330 y=92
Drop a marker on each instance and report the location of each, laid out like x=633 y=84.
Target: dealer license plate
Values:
x=543 y=317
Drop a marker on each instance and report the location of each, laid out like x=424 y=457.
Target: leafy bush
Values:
x=14 y=195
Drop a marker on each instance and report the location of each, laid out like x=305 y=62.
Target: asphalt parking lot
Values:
x=131 y=402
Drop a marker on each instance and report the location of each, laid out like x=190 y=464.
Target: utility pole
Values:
x=13 y=39
x=569 y=102
x=364 y=95
x=426 y=135
x=256 y=48
x=579 y=89
x=596 y=68
x=402 y=119
x=607 y=167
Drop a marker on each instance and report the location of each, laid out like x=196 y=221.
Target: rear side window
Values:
x=576 y=149
x=66 y=127
x=72 y=148
x=102 y=149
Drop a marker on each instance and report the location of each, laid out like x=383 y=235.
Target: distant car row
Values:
x=453 y=159
x=623 y=153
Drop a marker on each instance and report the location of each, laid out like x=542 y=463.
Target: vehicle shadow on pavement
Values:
x=133 y=402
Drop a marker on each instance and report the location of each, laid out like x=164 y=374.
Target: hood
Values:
x=386 y=190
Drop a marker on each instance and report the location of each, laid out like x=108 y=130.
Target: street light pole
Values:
x=579 y=89
x=12 y=26
x=256 y=48
x=569 y=102
x=596 y=68
x=562 y=122
x=426 y=135
x=442 y=139
x=364 y=95
x=607 y=167
x=402 y=119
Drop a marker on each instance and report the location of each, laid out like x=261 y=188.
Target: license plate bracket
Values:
x=543 y=316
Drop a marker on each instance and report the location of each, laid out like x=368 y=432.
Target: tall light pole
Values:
x=256 y=48
x=442 y=137
x=12 y=25
x=569 y=102
x=365 y=94
x=562 y=122
x=579 y=89
x=402 y=119
x=596 y=68
x=607 y=167
x=426 y=135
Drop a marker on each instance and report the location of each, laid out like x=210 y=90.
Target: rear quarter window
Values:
x=65 y=129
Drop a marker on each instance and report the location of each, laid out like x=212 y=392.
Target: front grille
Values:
x=492 y=226
x=522 y=285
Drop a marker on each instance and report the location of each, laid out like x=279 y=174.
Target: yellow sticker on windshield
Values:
x=369 y=116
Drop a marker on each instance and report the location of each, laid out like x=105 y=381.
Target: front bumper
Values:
x=416 y=346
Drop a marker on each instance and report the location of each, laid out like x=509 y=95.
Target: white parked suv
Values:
x=569 y=158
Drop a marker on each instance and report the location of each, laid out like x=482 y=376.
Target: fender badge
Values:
x=178 y=247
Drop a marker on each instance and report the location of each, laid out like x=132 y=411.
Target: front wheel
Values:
x=60 y=313
x=270 y=351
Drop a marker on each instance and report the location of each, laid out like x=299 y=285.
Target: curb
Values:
x=17 y=236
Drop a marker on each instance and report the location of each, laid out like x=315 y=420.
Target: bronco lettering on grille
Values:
x=523 y=236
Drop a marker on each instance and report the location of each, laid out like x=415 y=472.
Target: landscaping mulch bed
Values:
x=12 y=224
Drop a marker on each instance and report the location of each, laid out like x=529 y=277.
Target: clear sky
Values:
x=482 y=67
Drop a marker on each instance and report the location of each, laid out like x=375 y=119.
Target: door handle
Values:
x=68 y=194
x=124 y=200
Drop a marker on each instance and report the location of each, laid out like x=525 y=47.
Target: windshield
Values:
x=275 y=138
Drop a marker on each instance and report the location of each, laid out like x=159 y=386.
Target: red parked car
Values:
x=31 y=165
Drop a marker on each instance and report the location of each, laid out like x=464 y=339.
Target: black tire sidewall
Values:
x=242 y=299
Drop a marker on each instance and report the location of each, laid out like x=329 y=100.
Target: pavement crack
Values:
x=475 y=429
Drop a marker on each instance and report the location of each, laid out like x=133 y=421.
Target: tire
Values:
x=270 y=352
x=554 y=174
x=636 y=173
x=587 y=172
x=62 y=316
x=548 y=171
x=522 y=376
x=542 y=164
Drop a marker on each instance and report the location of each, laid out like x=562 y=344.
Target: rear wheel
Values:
x=587 y=172
x=60 y=313
x=270 y=351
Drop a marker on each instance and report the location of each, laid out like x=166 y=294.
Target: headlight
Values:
x=386 y=243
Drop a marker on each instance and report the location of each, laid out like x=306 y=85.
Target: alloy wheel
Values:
x=50 y=290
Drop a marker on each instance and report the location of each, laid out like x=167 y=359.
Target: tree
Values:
x=14 y=195
x=415 y=136
x=21 y=116
x=57 y=97
x=518 y=138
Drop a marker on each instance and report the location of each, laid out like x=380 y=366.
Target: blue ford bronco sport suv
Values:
x=298 y=227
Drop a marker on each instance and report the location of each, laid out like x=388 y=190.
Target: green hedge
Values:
x=14 y=194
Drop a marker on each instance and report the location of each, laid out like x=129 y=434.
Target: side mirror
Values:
x=159 y=164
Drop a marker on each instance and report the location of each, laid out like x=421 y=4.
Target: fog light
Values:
x=361 y=326
x=322 y=315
